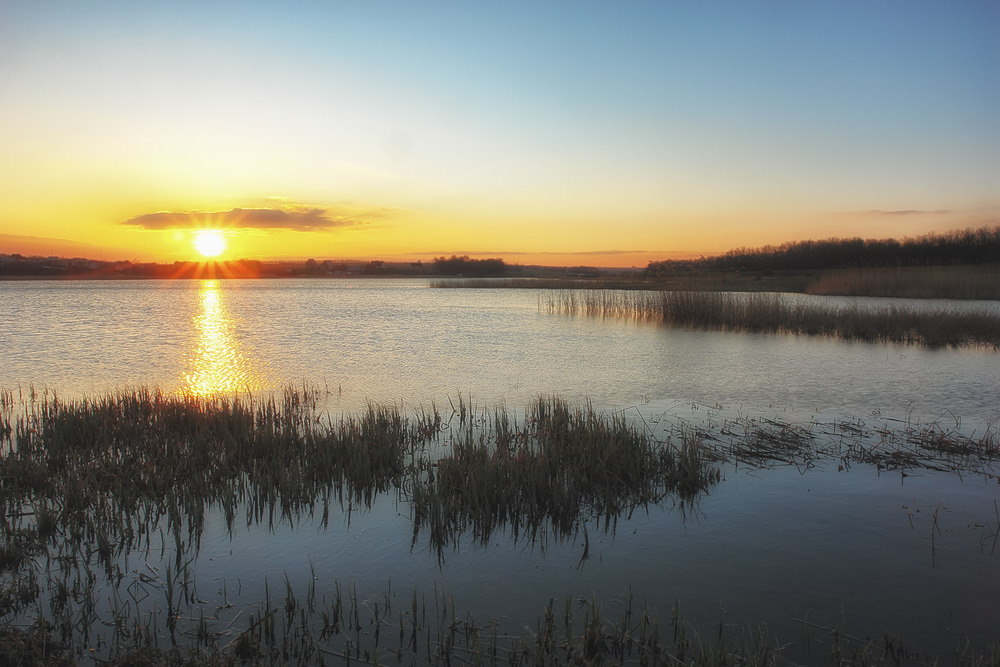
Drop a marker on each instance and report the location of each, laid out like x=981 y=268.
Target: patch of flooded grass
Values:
x=746 y=440
x=114 y=466
x=772 y=313
x=549 y=471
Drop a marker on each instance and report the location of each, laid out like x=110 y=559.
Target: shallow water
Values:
x=887 y=552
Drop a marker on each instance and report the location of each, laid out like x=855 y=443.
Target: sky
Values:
x=559 y=133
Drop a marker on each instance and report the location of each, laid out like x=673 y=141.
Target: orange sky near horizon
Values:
x=608 y=136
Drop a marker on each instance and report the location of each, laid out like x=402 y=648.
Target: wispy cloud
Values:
x=554 y=253
x=908 y=211
x=302 y=219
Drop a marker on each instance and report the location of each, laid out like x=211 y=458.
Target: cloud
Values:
x=909 y=211
x=301 y=219
x=555 y=253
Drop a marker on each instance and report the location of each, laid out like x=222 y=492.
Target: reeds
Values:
x=549 y=473
x=773 y=313
x=111 y=467
x=941 y=282
x=86 y=483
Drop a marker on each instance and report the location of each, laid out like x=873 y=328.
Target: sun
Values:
x=209 y=242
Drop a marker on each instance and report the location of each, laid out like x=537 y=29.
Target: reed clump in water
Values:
x=86 y=485
x=771 y=313
x=556 y=467
x=108 y=470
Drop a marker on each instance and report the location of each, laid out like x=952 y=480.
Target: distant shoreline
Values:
x=962 y=264
x=963 y=282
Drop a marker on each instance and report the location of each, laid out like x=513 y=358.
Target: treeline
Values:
x=463 y=266
x=968 y=246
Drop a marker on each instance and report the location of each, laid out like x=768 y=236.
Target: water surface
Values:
x=400 y=341
x=885 y=551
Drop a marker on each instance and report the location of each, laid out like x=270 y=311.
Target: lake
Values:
x=774 y=544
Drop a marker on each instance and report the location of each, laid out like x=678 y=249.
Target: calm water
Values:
x=765 y=545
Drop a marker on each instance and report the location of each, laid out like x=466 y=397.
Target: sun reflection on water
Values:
x=219 y=362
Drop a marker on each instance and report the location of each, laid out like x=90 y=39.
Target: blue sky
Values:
x=528 y=130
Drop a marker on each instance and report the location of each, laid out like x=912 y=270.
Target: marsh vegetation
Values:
x=540 y=476
x=978 y=282
x=774 y=313
x=89 y=483
x=105 y=501
x=936 y=282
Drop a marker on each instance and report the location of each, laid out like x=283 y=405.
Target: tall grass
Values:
x=943 y=282
x=772 y=313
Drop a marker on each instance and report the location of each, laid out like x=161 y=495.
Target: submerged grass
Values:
x=772 y=313
x=883 y=443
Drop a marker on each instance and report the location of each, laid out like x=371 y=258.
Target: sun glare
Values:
x=210 y=243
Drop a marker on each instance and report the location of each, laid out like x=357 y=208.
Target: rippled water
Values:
x=766 y=545
x=400 y=341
